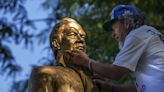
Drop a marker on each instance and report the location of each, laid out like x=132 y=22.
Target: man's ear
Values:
x=55 y=44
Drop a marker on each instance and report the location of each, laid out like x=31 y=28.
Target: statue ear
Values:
x=55 y=44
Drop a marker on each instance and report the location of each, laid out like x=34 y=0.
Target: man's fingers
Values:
x=76 y=52
x=78 y=57
x=73 y=53
x=97 y=77
x=68 y=51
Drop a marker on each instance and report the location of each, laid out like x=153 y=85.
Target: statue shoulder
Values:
x=51 y=70
x=55 y=78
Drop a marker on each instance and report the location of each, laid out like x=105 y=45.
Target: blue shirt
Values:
x=143 y=53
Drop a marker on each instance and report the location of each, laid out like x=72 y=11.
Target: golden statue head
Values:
x=67 y=35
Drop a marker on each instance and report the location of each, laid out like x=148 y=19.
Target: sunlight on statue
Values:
x=66 y=35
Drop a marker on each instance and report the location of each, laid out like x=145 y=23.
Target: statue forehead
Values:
x=69 y=25
x=73 y=26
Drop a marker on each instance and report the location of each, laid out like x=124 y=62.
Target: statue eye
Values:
x=69 y=33
x=72 y=34
x=83 y=36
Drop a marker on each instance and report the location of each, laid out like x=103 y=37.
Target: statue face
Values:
x=73 y=37
x=67 y=35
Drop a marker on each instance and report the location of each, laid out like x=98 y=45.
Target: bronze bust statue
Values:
x=63 y=77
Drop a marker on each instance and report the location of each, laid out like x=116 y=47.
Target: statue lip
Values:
x=80 y=47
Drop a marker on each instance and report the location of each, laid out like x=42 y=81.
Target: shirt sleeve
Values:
x=130 y=54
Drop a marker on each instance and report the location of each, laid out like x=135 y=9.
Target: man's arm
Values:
x=110 y=71
x=105 y=70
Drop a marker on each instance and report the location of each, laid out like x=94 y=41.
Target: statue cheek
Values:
x=67 y=44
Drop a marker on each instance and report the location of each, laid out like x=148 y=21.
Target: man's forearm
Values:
x=104 y=70
x=108 y=70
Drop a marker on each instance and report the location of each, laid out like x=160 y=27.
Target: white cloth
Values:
x=143 y=53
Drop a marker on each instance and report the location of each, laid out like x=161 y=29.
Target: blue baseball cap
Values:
x=118 y=13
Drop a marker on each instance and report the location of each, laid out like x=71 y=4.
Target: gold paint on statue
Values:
x=66 y=35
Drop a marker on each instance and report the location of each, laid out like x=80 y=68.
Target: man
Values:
x=64 y=77
x=141 y=53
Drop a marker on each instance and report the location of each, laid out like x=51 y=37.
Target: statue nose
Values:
x=80 y=38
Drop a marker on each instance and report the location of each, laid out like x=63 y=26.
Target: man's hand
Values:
x=78 y=58
x=101 y=83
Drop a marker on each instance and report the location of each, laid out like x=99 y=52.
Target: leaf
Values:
x=6 y=32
